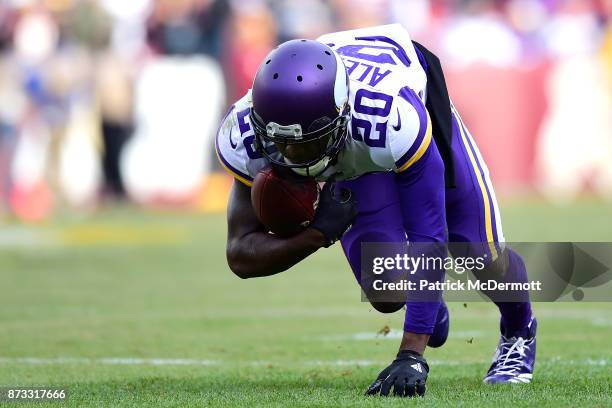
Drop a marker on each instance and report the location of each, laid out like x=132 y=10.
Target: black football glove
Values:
x=335 y=212
x=406 y=375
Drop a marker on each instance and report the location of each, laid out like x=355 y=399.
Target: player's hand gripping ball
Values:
x=283 y=202
x=336 y=212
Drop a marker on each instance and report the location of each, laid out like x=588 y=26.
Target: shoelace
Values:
x=510 y=365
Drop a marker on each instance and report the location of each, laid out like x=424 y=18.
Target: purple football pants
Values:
x=415 y=205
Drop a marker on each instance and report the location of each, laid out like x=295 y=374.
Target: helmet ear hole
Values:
x=319 y=123
x=299 y=78
x=275 y=75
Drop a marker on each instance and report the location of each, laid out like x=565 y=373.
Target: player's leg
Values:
x=380 y=220
x=473 y=216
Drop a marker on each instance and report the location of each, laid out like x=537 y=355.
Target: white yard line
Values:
x=106 y=361
x=601 y=322
x=394 y=334
x=133 y=361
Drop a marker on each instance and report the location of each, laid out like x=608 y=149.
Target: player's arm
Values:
x=420 y=181
x=253 y=252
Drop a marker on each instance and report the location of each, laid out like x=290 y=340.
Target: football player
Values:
x=368 y=110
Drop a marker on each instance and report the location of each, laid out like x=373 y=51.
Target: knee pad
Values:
x=387 y=307
x=351 y=244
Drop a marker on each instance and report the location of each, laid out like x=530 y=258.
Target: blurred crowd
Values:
x=114 y=99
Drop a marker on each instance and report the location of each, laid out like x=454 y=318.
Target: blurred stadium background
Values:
x=111 y=100
x=112 y=230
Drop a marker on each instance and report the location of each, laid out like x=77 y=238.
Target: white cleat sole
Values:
x=520 y=379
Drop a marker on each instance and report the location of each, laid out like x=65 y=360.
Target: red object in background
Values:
x=32 y=203
x=503 y=108
x=284 y=203
x=243 y=67
x=251 y=35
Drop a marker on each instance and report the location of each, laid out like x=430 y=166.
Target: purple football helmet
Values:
x=300 y=100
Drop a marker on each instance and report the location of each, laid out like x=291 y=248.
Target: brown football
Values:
x=284 y=203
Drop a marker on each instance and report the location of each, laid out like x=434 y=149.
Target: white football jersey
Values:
x=389 y=128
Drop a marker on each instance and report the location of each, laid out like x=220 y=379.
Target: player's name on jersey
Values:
x=455 y=286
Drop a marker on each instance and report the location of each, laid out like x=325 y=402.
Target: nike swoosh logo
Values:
x=399 y=122
x=231 y=141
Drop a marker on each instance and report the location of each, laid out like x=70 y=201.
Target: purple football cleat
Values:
x=440 y=333
x=514 y=358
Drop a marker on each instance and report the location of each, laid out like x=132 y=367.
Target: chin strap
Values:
x=314 y=170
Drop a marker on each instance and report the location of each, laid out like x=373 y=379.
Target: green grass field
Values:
x=126 y=308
